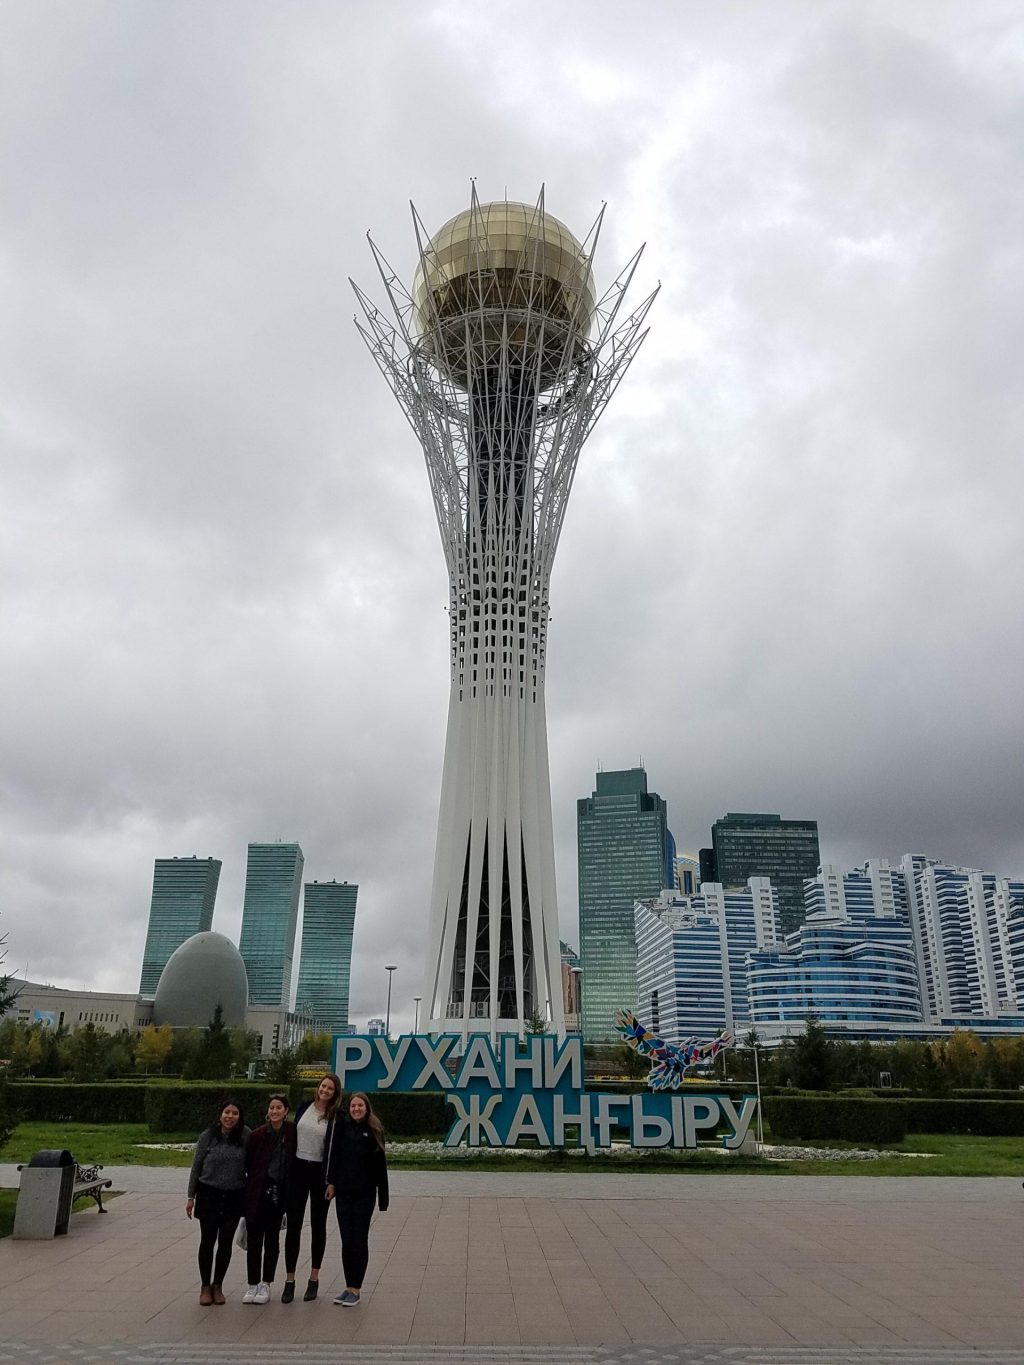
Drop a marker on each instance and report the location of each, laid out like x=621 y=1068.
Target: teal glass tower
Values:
x=325 y=963
x=623 y=840
x=184 y=891
x=270 y=912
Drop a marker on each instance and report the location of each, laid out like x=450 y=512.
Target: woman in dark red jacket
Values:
x=269 y=1155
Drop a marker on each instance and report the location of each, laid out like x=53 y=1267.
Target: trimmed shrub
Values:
x=69 y=1102
x=826 y=1116
x=985 y=1118
x=188 y=1108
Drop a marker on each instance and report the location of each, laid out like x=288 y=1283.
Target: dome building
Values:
x=206 y=971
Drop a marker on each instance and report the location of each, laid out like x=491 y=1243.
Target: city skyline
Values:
x=785 y=579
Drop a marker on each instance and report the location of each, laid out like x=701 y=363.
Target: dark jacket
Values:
x=355 y=1165
x=258 y=1152
x=219 y=1161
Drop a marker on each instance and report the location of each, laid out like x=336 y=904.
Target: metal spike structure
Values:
x=502 y=358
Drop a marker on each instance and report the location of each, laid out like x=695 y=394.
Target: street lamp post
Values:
x=387 y=1014
x=416 y=1025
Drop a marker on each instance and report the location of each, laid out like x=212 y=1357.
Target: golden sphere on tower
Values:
x=504 y=259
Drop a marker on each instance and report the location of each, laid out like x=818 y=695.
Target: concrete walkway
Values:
x=551 y=1267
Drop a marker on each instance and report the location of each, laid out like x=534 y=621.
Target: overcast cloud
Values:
x=790 y=572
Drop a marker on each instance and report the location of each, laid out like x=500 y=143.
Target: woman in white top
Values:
x=313 y=1123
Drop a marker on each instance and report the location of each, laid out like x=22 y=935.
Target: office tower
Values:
x=273 y=880
x=375 y=1028
x=746 y=846
x=503 y=358
x=692 y=953
x=325 y=962
x=184 y=891
x=622 y=839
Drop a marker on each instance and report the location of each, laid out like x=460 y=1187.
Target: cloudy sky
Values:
x=790 y=573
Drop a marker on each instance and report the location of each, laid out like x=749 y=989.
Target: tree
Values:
x=153 y=1047
x=184 y=1046
x=8 y=1117
x=536 y=1023
x=631 y=1063
x=283 y=1066
x=315 y=1047
x=212 y=1060
x=812 y=1058
x=86 y=1054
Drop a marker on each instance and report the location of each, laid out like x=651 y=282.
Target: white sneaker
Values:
x=262 y=1293
x=250 y=1294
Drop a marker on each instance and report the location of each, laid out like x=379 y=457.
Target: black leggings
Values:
x=218 y=1212
x=307 y=1181
x=354 y=1214
x=263 y=1234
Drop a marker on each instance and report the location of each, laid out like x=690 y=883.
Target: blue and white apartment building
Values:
x=911 y=949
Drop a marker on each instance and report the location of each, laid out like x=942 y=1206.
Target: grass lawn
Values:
x=113 y=1144
x=117 y=1144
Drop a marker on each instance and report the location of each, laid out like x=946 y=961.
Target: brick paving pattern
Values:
x=575 y=1270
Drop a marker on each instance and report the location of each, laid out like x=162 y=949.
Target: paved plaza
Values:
x=479 y=1266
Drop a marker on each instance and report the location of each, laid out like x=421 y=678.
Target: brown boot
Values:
x=206 y=1295
x=218 y=1294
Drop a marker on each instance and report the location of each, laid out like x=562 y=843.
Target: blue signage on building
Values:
x=509 y=1090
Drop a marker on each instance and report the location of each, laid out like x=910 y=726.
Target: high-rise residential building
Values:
x=270 y=912
x=184 y=892
x=851 y=963
x=622 y=845
x=502 y=356
x=692 y=955
x=968 y=935
x=325 y=962
x=756 y=845
x=687 y=875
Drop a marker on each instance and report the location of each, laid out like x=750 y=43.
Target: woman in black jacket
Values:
x=269 y=1155
x=216 y=1185
x=357 y=1176
x=313 y=1124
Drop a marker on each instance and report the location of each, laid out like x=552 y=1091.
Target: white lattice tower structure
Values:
x=502 y=358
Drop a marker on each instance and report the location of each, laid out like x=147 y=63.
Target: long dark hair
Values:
x=235 y=1134
x=372 y=1121
x=335 y=1104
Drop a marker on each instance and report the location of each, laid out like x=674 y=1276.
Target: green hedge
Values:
x=826 y=1116
x=67 y=1102
x=191 y=1106
x=984 y=1118
x=188 y=1108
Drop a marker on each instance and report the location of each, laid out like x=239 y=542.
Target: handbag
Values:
x=242 y=1236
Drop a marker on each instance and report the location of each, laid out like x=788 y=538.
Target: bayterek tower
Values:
x=502 y=357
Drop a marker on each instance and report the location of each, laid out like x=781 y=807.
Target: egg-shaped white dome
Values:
x=206 y=971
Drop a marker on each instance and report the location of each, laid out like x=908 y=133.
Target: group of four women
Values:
x=331 y=1152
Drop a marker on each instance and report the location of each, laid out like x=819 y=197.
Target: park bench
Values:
x=90 y=1184
x=50 y=1184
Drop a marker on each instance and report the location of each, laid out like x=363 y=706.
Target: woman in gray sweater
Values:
x=216 y=1190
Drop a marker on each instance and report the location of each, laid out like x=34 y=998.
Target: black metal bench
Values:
x=90 y=1184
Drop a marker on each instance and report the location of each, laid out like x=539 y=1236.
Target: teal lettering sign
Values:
x=509 y=1090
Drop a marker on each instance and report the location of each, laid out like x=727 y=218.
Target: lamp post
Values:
x=387 y=1014
x=760 y=1120
x=416 y=1025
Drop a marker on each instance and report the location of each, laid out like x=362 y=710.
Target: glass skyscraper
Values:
x=270 y=912
x=745 y=846
x=623 y=846
x=325 y=964
x=184 y=891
